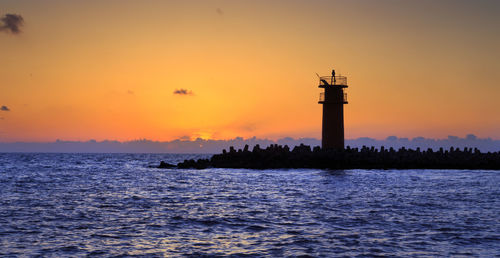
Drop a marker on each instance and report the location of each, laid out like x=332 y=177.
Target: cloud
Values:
x=130 y=92
x=186 y=145
x=219 y=11
x=183 y=92
x=4 y=108
x=250 y=127
x=11 y=23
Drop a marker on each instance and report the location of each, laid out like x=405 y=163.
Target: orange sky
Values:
x=107 y=69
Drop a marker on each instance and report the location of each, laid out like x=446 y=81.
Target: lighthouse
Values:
x=333 y=100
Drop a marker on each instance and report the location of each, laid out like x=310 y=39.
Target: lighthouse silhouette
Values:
x=333 y=100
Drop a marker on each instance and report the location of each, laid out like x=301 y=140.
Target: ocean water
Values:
x=117 y=205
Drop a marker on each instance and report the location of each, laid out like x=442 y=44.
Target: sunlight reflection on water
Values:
x=115 y=204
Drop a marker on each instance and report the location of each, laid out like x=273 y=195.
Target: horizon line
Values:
x=388 y=138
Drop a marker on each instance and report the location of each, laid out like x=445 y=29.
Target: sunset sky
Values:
x=163 y=70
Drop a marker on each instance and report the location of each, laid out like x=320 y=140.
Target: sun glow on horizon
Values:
x=166 y=70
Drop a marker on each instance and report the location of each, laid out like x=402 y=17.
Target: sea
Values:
x=120 y=205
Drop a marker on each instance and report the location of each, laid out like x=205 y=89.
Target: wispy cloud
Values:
x=219 y=11
x=183 y=92
x=249 y=127
x=11 y=23
x=4 y=108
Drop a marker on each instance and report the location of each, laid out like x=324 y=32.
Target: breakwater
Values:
x=303 y=156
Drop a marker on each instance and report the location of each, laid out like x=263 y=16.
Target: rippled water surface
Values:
x=115 y=204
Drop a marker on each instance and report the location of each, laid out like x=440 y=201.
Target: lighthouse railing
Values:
x=321 y=97
x=330 y=80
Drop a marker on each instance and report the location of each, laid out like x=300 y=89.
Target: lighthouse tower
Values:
x=333 y=100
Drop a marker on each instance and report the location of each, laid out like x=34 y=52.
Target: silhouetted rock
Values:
x=277 y=156
x=166 y=165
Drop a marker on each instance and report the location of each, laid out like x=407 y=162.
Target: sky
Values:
x=165 y=70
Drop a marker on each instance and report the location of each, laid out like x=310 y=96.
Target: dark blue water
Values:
x=114 y=204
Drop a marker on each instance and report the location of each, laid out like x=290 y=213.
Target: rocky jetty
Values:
x=276 y=156
x=166 y=165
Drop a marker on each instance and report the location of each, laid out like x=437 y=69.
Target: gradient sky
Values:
x=108 y=69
